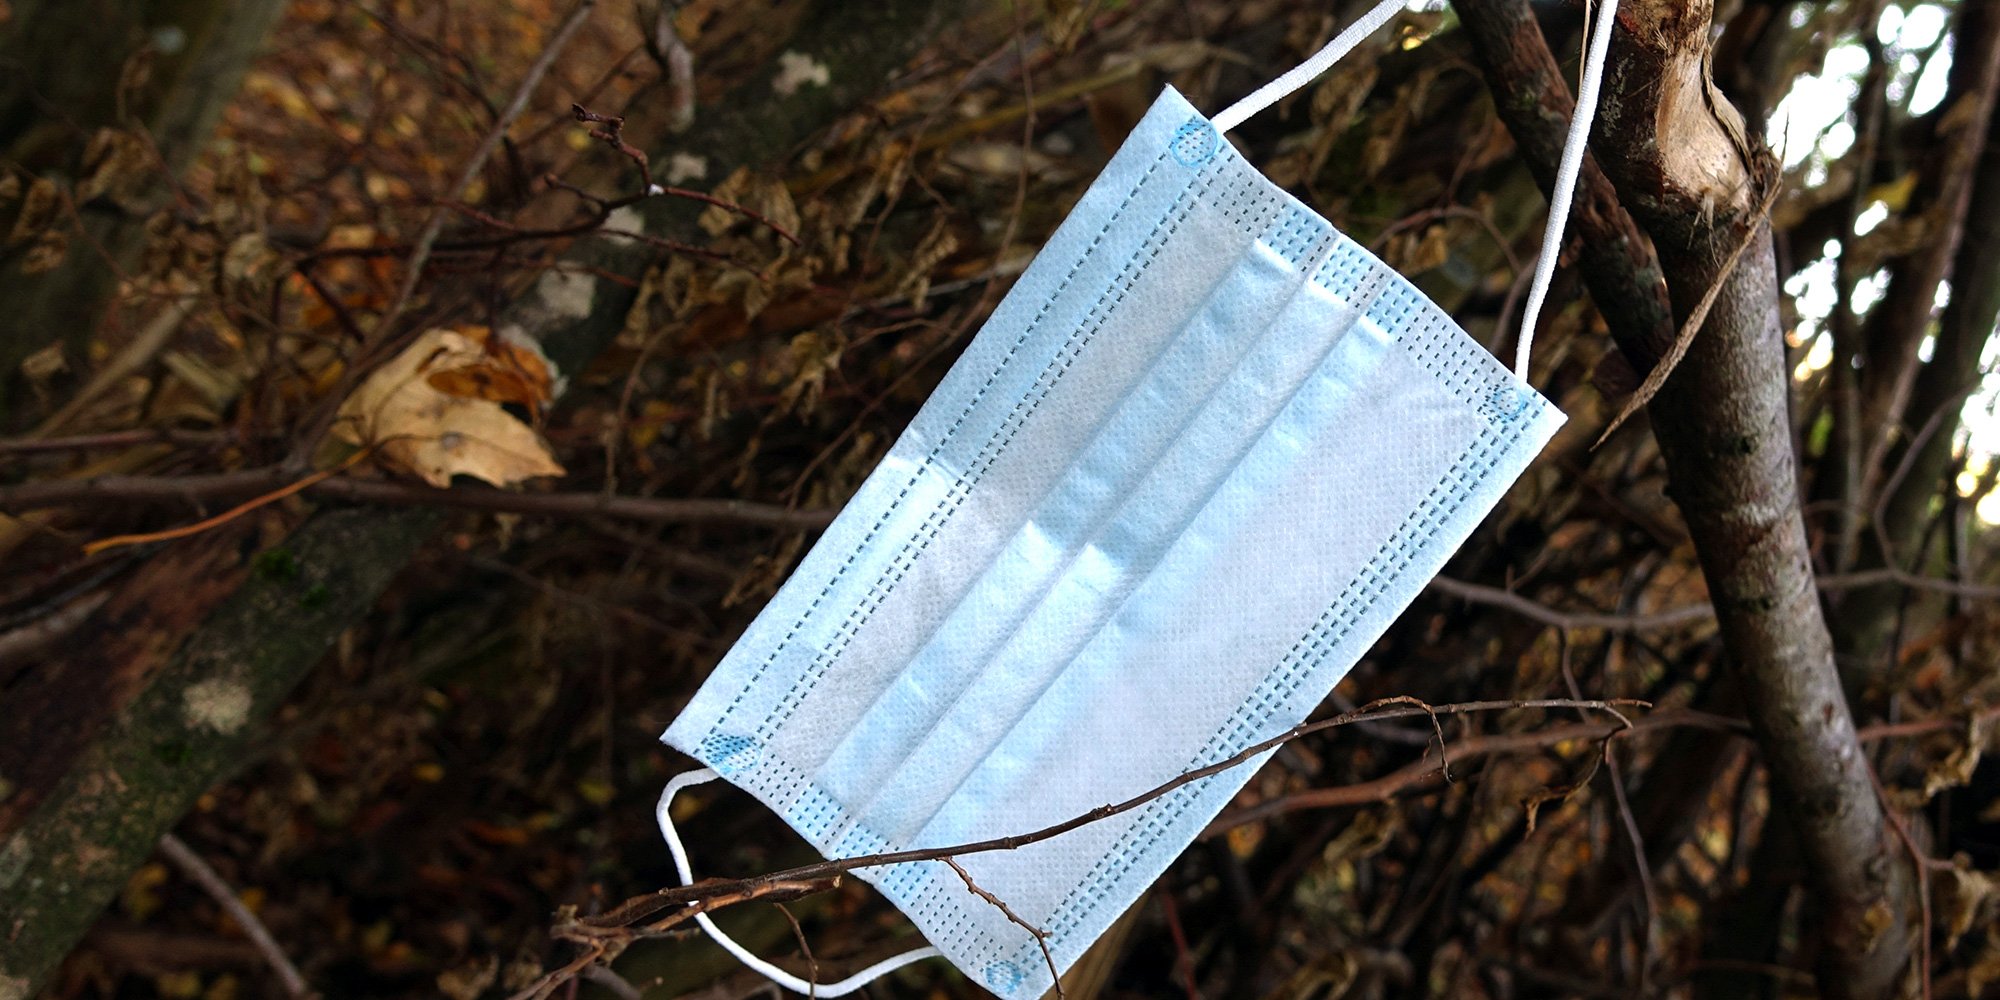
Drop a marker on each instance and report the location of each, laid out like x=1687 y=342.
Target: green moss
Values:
x=276 y=564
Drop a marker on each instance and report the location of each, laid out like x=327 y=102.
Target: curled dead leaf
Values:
x=510 y=370
x=116 y=166
x=47 y=252
x=1963 y=895
x=940 y=244
x=435 y=410
x=812 y=357
x=38 y=211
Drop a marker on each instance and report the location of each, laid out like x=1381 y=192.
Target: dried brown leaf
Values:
x=38 y=210
x=47 y=252
x=417 y=427
x=116 y=165
x=1961 y=894
x=715 y=219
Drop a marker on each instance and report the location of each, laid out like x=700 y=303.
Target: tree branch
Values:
x=1474 y=593
x=191 y=865
x=1683 y=166
x=127 y=490
x=639 y=907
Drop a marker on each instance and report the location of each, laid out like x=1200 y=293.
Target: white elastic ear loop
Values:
x=1302 y=74
x=1574 y=148
x=763 y=968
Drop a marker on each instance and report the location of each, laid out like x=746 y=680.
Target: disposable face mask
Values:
x=1201 y=456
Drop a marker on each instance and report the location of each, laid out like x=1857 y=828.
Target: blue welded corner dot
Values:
x=1194 y=142
x=1003 y=977
x=731 y=754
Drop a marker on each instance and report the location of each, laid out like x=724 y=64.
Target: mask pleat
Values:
x=920 y=486
x=1218 y=595
x=1180 y=379
x=1082 y=597
x=1138 y=579
x=955 y=541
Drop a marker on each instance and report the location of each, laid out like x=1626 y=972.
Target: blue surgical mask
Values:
x=1199 y=459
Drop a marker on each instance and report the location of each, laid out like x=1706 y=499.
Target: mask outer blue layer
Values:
x=1200 y=457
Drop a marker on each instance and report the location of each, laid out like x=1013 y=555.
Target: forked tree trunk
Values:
x=1688 y=169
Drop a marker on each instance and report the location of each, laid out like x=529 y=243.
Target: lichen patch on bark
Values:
x=627 y=219
x=683 y=167
x=218 y=704
x=797 y=69
x=566 y=294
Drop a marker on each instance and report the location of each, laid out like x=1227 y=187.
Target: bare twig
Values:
x=1183 y=957
x=114 y=439
x=638 y=907
x=1475 y=593
x=1691 y=614
x=1657 y=377
x=1922 y=863
x=191 y=865
x=1649 y=935
x=612 y=133
x=1041 y=936
x=38 y=636
x=1921 y=727
x=805 y=949
x=1416 y=773
x=477 y=161
x=608 y=978
x=1873 y=577
x=705 y=896
x=231 y=514
x=616 y=926
x=125 y=490
x=151 y=340
x=556 y=977
x=1437 y=728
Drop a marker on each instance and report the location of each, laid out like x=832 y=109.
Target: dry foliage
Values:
x=480 y=750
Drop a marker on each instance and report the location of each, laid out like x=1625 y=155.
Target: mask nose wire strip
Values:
x=729 y=944
x=1302 y=74
x=1574 y=148
x=1566 y=172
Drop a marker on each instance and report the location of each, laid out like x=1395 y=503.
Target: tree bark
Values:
x=111 y=803
x=1685 y=168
